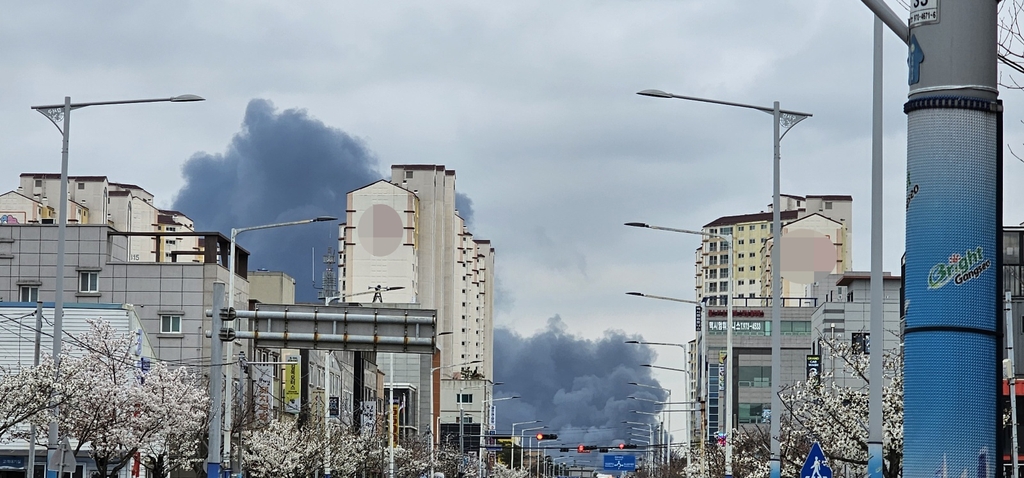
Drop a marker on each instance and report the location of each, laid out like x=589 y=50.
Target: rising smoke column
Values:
x=578 y=387
x=281 y=166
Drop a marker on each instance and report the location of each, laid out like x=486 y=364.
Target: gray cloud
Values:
x=578 y=387
x=282 y=166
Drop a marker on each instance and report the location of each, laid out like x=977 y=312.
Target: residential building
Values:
x=407 y=235
x=97 y=200
x=807 y=217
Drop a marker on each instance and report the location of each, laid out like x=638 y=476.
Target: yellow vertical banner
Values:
x=292 y=387
x=394 y=425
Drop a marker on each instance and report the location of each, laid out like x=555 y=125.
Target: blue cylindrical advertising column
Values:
x=952 y=257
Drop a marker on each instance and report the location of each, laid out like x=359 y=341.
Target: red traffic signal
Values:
x=622 y=446
x=546 y=436
x=580 y=449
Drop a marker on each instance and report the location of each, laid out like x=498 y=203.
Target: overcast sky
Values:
x=532 y=103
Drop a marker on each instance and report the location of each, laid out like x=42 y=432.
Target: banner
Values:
x=368 y=417
x=263 y=392
x=292 y=386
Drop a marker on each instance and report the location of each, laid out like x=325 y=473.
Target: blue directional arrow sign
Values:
x=619 y=462
x=816 y=465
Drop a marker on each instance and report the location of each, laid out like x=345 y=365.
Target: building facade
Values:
x=406 y=235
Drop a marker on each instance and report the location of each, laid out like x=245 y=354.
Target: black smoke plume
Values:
x=578 y=388
x=282 y=166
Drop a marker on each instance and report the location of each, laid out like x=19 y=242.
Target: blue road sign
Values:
x=816 y=466
x=622 y=462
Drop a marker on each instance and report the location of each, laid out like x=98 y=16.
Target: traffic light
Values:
x=563 y=450
x=546 y=436
x=627 y=446
x=622 y=445
x=602 y=450
x=581 y=449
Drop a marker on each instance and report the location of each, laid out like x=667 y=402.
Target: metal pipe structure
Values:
x=1011 y=382
x=781 y=119
x=62 y=113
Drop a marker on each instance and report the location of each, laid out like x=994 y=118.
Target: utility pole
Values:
x=31 y=469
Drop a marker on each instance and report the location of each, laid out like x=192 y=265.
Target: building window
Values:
x=712 y=246
x=81 y=185
x=712 y=273
x=755 y=376
x=464 y=398
x=88 y=281
x=739 y=228
x=39 y=183
x=752 y=412
x=741 y=242
x=725 y=246
x=724 y=259
x=712 y=260
x=739 y=282
x=725 y=230
x=752 y=267
x=712 y=287
x=740 y=255
x=723 y=286
x=29 y=293
x=724 y=274
x=764 y=226
x=408 y=175
x=828 y=204
x=740 y=268
x=751 y=295
x=170 y=324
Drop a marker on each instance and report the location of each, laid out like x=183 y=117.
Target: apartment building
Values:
x=406 y=235
x=806 y=218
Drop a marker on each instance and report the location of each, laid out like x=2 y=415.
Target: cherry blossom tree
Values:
x=822 y=409
x=116 y=409
x=27 y=392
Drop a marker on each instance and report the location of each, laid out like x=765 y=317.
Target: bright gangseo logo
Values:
x=959 y=268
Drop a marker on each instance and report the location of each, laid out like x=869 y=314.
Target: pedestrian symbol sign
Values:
x=816 y=466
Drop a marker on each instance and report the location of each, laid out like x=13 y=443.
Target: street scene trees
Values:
x=831 y=409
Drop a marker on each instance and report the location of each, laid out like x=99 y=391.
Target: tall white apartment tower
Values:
x=407 y=233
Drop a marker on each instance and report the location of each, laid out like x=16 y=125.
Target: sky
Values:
x=532 y=103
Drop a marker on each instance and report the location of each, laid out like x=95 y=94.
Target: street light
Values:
x=782 y=119
x=512 y=458
x=702 y=357
x=431 y=417
x=373 y=290
x=229 y=352
x=487 y=408
x=728 y=241
x=62 y=113
x=650 y=439
x=522 y=437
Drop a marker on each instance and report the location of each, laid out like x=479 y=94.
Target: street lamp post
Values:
x=431 y=416
x=487 y=410
x=729 y=393
x=522 y=437
x=781 y=119
x=701 y=372
x=61 y=113
x=512 y=457
x=650 y=440
x=215 y=395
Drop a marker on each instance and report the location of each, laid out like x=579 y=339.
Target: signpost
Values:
x=623 y=462
x=816 y=465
